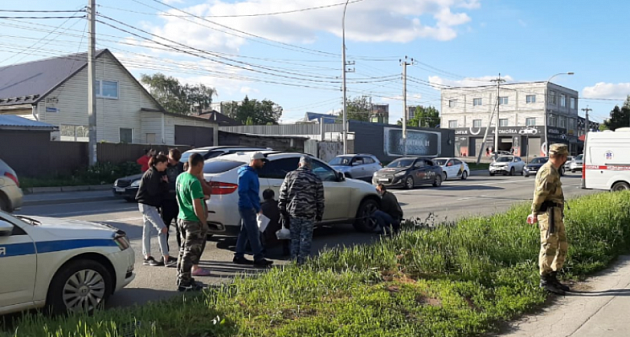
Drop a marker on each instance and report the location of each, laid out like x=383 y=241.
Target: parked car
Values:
x=502 y=153
x=576 y=164
x=567 y=164
x=127 y=187
x=453 y=168
x=535 y=165
x=507 y=165
x=409 y=172
x=356 y=166
x=62 y=264
x=347 y=200
x=10 y=192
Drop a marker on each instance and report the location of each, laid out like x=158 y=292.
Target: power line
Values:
x=43 y=17
x=39 y=11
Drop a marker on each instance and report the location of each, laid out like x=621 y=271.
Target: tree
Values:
x=357 y=109
x=174 y=96
x=426 y=117
x=603 y=127
x=619 y=117
x=254 y=112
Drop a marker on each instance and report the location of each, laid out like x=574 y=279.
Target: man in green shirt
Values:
x=191 y=221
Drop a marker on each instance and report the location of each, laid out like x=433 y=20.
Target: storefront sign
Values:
x=419 y=143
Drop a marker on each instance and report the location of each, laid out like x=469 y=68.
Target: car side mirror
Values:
x=5 y=228
x=340 y=176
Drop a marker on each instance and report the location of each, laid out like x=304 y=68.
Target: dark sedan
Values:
x=409 y=172
x=535 y=165
x=127 y=187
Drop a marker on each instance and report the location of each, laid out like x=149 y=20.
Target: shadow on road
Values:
x=470 y=188
x=131 y=296
x=611 y=292
x=133 y=231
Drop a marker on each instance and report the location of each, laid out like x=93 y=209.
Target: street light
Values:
x=343 y=71
x=546 y=103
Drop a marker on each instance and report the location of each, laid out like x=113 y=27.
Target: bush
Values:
x=458 y=279
x=99 y=174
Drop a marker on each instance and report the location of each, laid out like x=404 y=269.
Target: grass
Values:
x=458 y=279
x=481 y=166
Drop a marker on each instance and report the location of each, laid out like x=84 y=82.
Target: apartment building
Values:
x=522 y=108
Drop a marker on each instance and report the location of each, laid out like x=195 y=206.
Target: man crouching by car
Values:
x=390 y=213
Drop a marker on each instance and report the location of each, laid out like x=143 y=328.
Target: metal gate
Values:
x=194 y=136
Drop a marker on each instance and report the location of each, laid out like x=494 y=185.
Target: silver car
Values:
x=357 y=166
x=10 y=192
x=576 y=164
x=507 y=165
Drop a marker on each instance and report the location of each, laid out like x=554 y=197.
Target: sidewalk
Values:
x=66 y=197
x=598 y=307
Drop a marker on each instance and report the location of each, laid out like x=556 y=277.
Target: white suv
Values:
x=346 y=200
x=507 y=165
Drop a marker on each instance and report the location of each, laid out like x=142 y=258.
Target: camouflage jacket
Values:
x=302 y=195
x=548 y=187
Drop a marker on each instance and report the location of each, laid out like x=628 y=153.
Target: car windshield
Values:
x=504 y=159
x=578 y=157
x=540 y=160
x=341 y=161
x=220 y=166
x=400 y=163
x=187 y=154
x=440 y=162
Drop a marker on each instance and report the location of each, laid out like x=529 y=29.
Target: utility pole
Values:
x=404 y=64
x=496 y=127
x=344 y=71
x=586 y=111
x=91 y=78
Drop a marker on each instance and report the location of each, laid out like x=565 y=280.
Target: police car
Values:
x=61 y=264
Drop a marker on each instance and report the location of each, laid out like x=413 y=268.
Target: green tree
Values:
x=174 y=96
x=254 y=112
x=603 y=127
x=619 y=117
x=357 y=109
x=425 y=117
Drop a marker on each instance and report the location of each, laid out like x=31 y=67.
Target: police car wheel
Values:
x=364 y=221
x=79 y=286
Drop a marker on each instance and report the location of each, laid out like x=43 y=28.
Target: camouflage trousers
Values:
x=301 y=239
x=553 y=246
x=193 y=237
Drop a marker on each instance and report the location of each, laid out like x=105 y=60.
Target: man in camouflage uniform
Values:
x=548 y=211
x=302 y=200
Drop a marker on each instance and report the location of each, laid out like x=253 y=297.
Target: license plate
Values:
x=120 y=189
x=382 y=179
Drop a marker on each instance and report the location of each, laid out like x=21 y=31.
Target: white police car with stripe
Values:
x=61 y=264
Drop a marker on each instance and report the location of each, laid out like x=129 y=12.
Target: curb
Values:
x=39 y=190
x=66 y=201
x=477 y=173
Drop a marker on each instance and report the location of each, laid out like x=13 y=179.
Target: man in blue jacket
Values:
x=248 y=208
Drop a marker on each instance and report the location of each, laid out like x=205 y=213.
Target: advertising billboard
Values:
x=419 y=143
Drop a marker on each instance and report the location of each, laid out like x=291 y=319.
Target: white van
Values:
x=607 y=160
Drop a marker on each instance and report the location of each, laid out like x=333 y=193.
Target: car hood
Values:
x=70 y=228
x=341 y=168
x=391 y=170
x=534 y=165
x=132 y=178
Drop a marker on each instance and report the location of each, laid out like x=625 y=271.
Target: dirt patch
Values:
x=426 y=300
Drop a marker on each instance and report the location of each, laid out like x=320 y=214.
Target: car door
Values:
x=452 y=169
x=419 y=172
x=273 y=173
x=18 y=263
x=336 y=193
x=371 y=166
x=520 y=164
x=357 y=168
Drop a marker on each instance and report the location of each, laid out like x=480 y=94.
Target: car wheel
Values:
x=364 y=221
x=409 y=183
x=437 y=182
x=4 y=204
x=562 y=171
x=492 y=174
x=445 y=178
x=620 y=186
x=464 y=175
x=572 y=171
x=512 y=171
x=79 y=286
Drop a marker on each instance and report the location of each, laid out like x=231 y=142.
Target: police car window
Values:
x=324 y=172
x=278 y=169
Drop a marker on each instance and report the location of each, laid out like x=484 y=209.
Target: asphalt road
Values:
x=480 y=195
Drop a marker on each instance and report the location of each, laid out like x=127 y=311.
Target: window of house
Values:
x=563 y=100
x=150 y=138
x=452 y=103
x=452 y=124
x=573 y=103
x=477 y=101
x=476 y=123
x=552 y=97
x=503 y=100
x=106 y=89
x=562 y=122
x=503 y=122
x=126 y=135
x=530 y=99
x=530 y=121
x=552 y=121
x=74 y=133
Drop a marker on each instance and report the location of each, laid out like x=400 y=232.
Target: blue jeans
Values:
x=384 y=220
x=249 y=232
x=301 y=239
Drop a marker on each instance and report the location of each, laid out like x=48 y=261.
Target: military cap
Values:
x=559 y=149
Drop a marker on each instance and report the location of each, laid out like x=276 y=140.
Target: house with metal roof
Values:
x=54 y=91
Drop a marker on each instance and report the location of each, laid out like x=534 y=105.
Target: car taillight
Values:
x=12 y=177
x=223 y=188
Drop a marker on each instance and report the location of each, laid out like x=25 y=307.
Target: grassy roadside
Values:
x=460 y=279
x=481 y=166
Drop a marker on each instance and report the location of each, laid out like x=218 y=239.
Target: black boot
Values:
x=547 y=284
x=553 y=278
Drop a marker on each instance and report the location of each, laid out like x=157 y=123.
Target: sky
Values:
x=290 y=51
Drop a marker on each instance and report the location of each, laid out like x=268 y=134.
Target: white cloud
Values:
x=367 y=21
x=439 y=82
x=607 y=90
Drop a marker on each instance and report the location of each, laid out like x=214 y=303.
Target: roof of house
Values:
x=27 y=83
x=17 y=122
x=314 y=116
x=217 y=117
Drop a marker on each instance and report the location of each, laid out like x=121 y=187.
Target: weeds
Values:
x=458 y=279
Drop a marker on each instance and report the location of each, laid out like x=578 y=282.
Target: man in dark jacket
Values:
x=390 y=213
x=169 y=202
x=302 y=198
x=248 y=208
